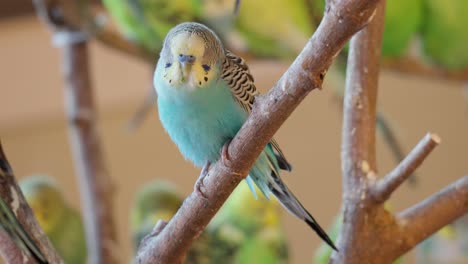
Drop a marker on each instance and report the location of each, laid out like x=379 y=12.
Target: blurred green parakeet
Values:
x=248 y=230
x=281 y=31
x=445 y=34
x=448 y=245
x=275 y=28
x=146 y=22
x=159 y=200
x=403 y=20
x=61 y=223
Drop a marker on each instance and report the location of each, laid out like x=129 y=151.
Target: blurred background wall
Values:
x=34 y=131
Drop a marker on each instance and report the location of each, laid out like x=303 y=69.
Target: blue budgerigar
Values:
x=205 y=94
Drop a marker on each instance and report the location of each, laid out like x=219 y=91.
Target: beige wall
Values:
x=35 y=138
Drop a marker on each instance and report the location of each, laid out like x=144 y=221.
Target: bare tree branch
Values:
x=370 y=234
x=425 y=218
x=386 y=186
x=10 y=251
x=11 y=194
x=358 y=139
x=342 y=19
x=96 y=187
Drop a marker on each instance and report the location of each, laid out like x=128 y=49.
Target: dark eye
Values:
x=168 y=65
x=206 y=67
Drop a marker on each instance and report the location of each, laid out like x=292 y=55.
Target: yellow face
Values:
x=187 y=67
x=48 y=207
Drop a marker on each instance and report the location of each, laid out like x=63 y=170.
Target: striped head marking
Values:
x=191 y=56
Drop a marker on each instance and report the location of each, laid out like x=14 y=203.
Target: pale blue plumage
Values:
x=199 y=121
x=205 y=94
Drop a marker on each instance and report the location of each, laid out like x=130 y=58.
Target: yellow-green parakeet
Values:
x=159 y=200
x=275 y=28
x=61 y=223
x=403 y=20
x=444 y=35
x=248 y=230
x=146 y=22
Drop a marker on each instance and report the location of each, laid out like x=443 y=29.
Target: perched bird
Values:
x=205 y=94
x=248 y=230
x=61 y=223
x=159 y=200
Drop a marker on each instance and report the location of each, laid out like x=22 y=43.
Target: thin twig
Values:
x=388 y=133
x=12 y=195
x=383 y=188
x=269 y=113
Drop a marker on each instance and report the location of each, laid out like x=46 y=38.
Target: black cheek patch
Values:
x=206 y=68
x=206 y=79
x=168 y=65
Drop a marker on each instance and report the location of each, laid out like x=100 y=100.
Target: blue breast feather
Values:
x=200 y=121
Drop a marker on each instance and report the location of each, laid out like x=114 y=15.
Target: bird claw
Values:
x=225 y=153
x=200 y=184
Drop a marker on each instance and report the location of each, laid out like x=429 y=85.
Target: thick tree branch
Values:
x=342 y=19
x=10 y=251
x=96 y=187
x=425 y=218
x=11 y=194
x=383 y=188
x=358 y=138
x=367 y=226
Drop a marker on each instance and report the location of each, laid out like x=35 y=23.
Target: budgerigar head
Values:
x=46 y=200
x=156 y=200
x=191 y=56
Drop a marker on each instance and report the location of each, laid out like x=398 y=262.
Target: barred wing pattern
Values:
x=236 y=74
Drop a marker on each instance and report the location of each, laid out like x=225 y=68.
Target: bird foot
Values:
x=200 y=182
x=225 y=153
